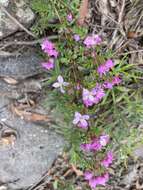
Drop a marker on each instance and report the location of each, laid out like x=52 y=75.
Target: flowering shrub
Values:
x=90 y=97
x=91 y=83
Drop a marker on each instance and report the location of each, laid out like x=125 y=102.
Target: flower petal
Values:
x=86 y=117
x=88 y=175
x=65 y=83
x=56 y=85
x=83 y=123
x=78 y=115
x=60 y=79
x=62 y=90
x=75 y=121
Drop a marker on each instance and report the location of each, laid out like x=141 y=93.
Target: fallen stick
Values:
x=29 y=43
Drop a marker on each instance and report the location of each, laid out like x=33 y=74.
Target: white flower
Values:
x=60 y=84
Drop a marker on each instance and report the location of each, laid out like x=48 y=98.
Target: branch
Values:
x=28 y=43
x=119 y=23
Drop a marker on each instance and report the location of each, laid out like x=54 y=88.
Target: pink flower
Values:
x=88 y=97
x=60 y=84
x=46 y=44
x=93 y=182
x=96 y=144
x=100 y=180
x=104 y=139
x=108 y=160
x=109 y=64
x=69 y=17
x=52 y=52
x=116 y=80
x=76 y=37
x=78 y=86
x=49 y=48
x=97 y=39
x=94 y=96
x=81 y=120
x=48 y=65
x=107 y=85
x=88 y=175
x=91 y=41
x=85 y=147
x=104 y=68
x=98 y=93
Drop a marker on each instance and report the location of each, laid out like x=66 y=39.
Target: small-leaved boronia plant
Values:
x=89 y=80
x=90 y=97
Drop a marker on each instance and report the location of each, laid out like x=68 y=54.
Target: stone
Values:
x=24 y=161
x=4 y=2
x=19 y=10
x=21 y=67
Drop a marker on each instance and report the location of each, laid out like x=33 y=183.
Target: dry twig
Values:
x=28 y=43
x=120 y=17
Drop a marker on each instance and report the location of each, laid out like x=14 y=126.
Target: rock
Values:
x=4 y=2
x=3 y=102
x=23 y=162
x=19 y=10
x=21 y=67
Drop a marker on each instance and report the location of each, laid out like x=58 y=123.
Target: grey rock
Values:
x=20 y=90
x=20 y=67
x=3 y=102
x=4 y=2
x=30 y=156
x=19 y=10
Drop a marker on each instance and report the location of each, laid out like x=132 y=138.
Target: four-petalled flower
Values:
x=49 y=48
x=96 y=144
x=88 y=97
x=69 y=17
x=107 y=160
x=76 y=37
x=81 y=120
x=99 y=180
x=91 y=41
x=49 y=64
x=60 y=84
x=105 y=68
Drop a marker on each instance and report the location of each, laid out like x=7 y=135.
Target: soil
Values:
x=62 y=173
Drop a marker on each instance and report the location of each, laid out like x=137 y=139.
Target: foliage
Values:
x=119 y=109
x=51 y=13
